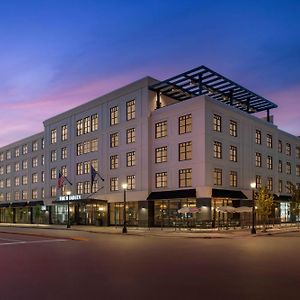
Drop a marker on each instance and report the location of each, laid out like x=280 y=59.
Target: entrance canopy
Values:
x=174 y=194
x=220 y=193
x=21 y=204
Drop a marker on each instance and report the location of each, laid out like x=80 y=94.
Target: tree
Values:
x=264 y=203
x=295 y=202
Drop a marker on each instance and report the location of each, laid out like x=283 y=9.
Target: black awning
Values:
x=219 y=193
x=21 y=204
x=85 y=201
x=190 y=193
x=282 y=198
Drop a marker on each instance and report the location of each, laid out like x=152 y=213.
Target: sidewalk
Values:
x=161 y=232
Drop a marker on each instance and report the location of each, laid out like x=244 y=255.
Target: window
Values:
x=297 y=170
x=34 y=178
x=79 y=188
x=17 y=167
x=63 y=153
x=17 y=152
x=232 y=128
x=114 y=184
x=270 y=162
x=289 y=187
x=43 y=160
x=217 y=150
x=288 y=149
x=34 y=162
x=43 y=176
x=217 y=176
x=269 y=141
x=258 y=181
x=8 y=183
x=86 y=147
x=53 y=136
x=114 y=162
x=161 y=129
x=114 y=140
x=217 y=123
x=17 y=181
x=131 y=182
x=53 y=173
x=270 y=184
x=8 y=196
x=185 y=124
x=86 y=187
x=94 y=145
x=185 y=151
x=1 y=197
x=53 y=155
x=185 y=177
x=297 y=152
x=233 y=153
x=114 y=115
x=280 y=186
x=280 y=166
x=258 y=159
x=35 y=146
x=43 y=144
x=130 y=159
x=79 y=127
x=1 y=170
x=161 y=154
x=288 y=168
x=94 y=118
x=1 y=156
x=24 y=149
x=17 y=195
x=79 y=147
x=130 y=136
x=53 y=191
x=258 y=137
x=130 y=110
x=1 y=184
x=94 y=163
x=279 y=146
x=64 y=171
x=64 y=132
x=24 y=164
x=86 y=167
x=24 y=180
x=233 y=178
x=8 y=169
x=86 y=125
x=79 y=168
x=34 y=194
x=161 y=180
x=8 y=155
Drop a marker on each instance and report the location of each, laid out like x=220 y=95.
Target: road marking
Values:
x=32 y=242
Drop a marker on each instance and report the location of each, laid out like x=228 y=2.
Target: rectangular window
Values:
x=87 y=187
x=8 y=155
x=24 y=180
x=53 y=191
x=79 y=147
x=24 y=195
x=280 y=186
x=53 y=155
x=94 y=145
x=64 y=171
x=288 y=168
x=53 y=136
x=34 y=146
x=161 y=129
x=53 y=173
x=17 y=195
x=17 y=167
x=185 y=124
x=43 y=176
x=79 y=127
x=269 y=141
x=63 y=153
x=79 y=168
x=114 y=184
x=233 y=153
x=233 y=128
x=34 y=178
x=233 y=178
x=94 y=118
x=34 y=194
x=279 y=146
x=130 y=159
x=288 y=149
x=217 y=123
x=161 y=154
x=297 y=170
x=130 y=135
x=24 y=164
x=64 y=132
x=217 y=150
x=130 y=110
x=270 y=184
x=185 y=151
x=131 y=182
x=258 y=137
x=270 y=162
x=280 y=166
x=86 y=125
x=86 y=147
x=1 y=170
x=258 y=159
x=114 y=162
x=79 y=188
x=34 y=162
x=114 y=140
x=8 y=169
x=17 y=181
x=24 y=149
x=297 y=152
x=161 y=180
x=258 y=181
x=86 y=167
x=8 y=182
x=17 y=152
x=43 y=160
x=288 y=187
x=114 y=115
x=185 y=178
x=217 y=176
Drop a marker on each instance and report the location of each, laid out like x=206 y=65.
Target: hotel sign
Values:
x=70 y=197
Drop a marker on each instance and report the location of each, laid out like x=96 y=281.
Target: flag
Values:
x=93 y=175
x=60 y=181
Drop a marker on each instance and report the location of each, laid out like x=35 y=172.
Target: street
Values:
x=81 y=265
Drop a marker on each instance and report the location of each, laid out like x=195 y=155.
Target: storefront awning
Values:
x=219 y=193
x=283 y=198
x=175 y=194
x=21 y=204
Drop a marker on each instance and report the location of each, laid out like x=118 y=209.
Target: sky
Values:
x=56 y=55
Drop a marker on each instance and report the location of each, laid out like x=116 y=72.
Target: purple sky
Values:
x=56 y=55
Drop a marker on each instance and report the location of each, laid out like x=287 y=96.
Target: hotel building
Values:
x=191 y=140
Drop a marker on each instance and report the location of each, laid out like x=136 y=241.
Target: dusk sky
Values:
x=56 y=55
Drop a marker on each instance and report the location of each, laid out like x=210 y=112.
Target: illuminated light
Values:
x=253 y=185
x=101 y=208
x=124 y=186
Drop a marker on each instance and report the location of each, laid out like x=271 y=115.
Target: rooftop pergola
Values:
x=204 y=81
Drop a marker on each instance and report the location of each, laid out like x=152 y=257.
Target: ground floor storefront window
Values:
x=117 y=211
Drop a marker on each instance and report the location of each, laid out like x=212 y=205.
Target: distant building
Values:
x=191 y=140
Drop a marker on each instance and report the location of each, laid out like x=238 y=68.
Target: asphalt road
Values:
x=110 y=266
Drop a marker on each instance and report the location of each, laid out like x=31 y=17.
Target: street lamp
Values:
x=68 y=220
x=124 y=187
x=253 y=186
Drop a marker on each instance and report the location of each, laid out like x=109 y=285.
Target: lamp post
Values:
x=68 y=217
x=124 y=186
x=253 y=186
